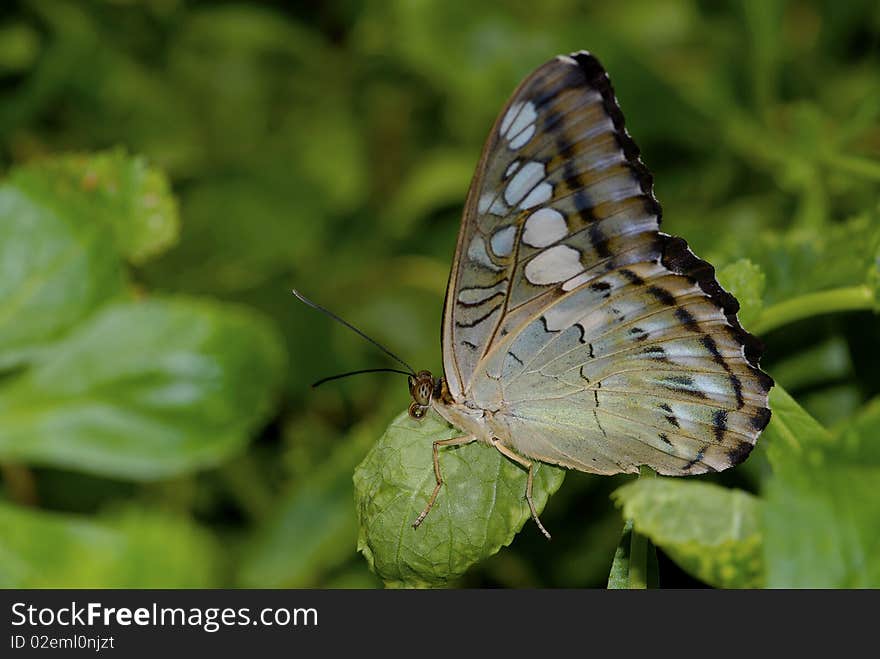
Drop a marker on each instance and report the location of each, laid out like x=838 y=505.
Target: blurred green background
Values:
x=157 y=427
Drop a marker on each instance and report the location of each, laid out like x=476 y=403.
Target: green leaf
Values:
x=858 y=440
x=821 y=510
x=712 y=532
x=56 y=267
x=746 y=282
x=618 y=577
x=312 y=529
x=792 y=433
x=130 y=199
x=635 y=559
x=811 y=273
x=841 y=255
x=832 y=405
x=822 y=529
x=129 y=549
x=480 y=508
x=635 y=562
x=145 y=390
x=826 y=362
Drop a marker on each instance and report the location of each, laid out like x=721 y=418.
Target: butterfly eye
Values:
x=416 y=411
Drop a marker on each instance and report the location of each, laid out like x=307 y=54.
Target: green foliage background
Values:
x=173 y=168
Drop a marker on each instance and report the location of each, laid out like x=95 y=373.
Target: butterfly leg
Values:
x=528 y=464
x=453 y=441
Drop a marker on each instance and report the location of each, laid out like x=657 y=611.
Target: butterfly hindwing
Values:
x=598 y=342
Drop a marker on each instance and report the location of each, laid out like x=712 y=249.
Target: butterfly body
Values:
x=575 y=332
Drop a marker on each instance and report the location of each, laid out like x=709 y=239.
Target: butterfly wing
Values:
x=598 y=342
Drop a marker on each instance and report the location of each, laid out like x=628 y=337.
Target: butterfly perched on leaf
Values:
x=574 y=332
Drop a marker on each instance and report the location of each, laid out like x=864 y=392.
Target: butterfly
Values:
x=574 y=332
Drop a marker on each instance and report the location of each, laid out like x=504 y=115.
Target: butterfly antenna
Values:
x=315 y=305
x=365 y=370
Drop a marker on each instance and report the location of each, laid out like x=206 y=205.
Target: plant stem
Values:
x=866 y=167
x=642 y=554
x=638 y=561
x=851 y=298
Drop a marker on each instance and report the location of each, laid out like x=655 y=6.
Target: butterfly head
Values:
x=421 y=387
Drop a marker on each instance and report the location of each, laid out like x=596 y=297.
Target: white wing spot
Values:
x=524 y=180
x=502 y=241
x=511 y=168
x=523 y=138
x=544 y=227
x=490 y=203
x=525 y=114
x=554 y=265
x=485 y=200
x=478 y=254
x=556 y=319
x=518 y=124
x=540 y=194
x=508 y=118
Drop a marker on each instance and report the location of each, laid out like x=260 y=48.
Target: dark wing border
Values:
x=676 y=256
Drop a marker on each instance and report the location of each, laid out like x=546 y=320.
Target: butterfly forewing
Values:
x=597 y=342
x=556 y=194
